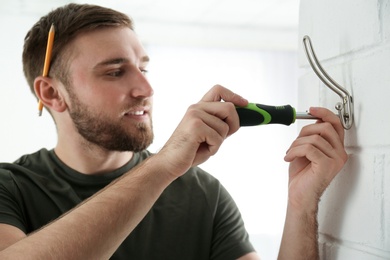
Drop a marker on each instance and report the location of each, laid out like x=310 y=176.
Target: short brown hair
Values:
x=69 y=21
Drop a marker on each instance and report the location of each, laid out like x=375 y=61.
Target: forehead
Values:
x=107 y=43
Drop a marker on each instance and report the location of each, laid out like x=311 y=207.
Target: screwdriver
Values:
x=258 y=114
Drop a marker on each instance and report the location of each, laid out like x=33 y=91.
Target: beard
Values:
x=103 y=131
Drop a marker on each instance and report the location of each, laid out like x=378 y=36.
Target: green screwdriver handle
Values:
x=258 y=114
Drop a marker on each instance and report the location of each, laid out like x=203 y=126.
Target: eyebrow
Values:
x=144 y=59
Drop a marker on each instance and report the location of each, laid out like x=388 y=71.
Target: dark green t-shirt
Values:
x=194 y=218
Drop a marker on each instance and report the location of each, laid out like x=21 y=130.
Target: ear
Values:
x=47 y=90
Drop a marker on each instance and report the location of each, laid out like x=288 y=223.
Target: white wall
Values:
x=352 y=41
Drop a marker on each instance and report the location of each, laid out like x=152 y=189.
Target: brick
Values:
x=352 y=207
x=386 y=209
x=336 y=251
x=385 y=10
x=370 y=80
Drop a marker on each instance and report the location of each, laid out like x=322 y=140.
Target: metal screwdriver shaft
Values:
x=304 y=115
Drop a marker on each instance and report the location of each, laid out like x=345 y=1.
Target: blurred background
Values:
x=249 y=46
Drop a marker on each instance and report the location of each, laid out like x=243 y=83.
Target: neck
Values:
x=89 y=158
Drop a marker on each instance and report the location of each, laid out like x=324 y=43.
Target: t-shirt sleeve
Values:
x=10 y=201
x=230 y=238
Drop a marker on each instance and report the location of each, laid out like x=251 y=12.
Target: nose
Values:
x=141 y=86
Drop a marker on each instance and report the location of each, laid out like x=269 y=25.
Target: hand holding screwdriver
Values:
x=258 y=114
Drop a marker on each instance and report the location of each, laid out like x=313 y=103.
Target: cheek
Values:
x=110 y=101
x=100 y=95
x=113 y=97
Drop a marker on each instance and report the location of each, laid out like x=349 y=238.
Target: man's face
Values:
x=110 y=100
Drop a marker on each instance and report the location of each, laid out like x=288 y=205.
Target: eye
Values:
x=144 y=71
x=115 y=73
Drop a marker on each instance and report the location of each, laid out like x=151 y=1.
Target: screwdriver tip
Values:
x=304 y=115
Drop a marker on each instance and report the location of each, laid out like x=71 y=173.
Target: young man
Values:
x=100 y=194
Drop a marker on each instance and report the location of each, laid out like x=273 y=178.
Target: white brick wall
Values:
x=352 y=40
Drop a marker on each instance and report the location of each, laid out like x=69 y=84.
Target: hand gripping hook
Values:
x=345 y=107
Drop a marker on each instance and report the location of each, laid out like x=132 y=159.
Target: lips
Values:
x=137 y=111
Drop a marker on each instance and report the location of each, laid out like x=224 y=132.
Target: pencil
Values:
x=46 y=65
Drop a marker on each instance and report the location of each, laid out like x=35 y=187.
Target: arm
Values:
x=95 y=229
x=315 y=157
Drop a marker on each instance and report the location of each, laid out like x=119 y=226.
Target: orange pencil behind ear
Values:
x=46 y=65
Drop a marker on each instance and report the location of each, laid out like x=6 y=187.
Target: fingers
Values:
x=219 y=115
x=209 y=121
x=324 y=136
x=217 y=120
x=314 y=140
x=325 y=163
x=218 y=93
x=327 y=116
x=225 y=111
x=327 y=130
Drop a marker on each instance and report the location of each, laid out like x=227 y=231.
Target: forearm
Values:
x=96 y=228
x=300 y=235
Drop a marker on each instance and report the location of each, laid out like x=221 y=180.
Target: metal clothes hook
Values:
x=345 y=107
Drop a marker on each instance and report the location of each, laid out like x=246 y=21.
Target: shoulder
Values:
x=7 y=181
x=198 y=177
x=26 y=166
x=28 y=160
x=200 y=187
x=38 y=156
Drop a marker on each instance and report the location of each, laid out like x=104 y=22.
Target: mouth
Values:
x=136 y=113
